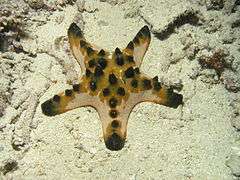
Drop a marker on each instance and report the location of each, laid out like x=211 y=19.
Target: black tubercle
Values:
x=91 y=63
x=83 y=43
x=93 y=85
x=118 y=51
x=76 y=87
x=102 y=62
x=175 y=100
x=106 y=92
x=136 y=39
x=139 y=34
x=155 y=79
x=68 y=92
x=90 y=51
x=112 y=79
x=114 y=142
x=145 y=31
x=134 y=83
x=119 y=57
x=113 y=113
x=157 y=86
x=75 y=30
x=88 y=73
x=48 y=108
x=113 y=102
x=115 y=124
x=56 y=98
x=130 y=59
x=121 y=91
x=136 y=70
x=119 y=60
x=130 y=45
x=98 y=71
x=101 y=53
x=129 y=73
x=147 y=84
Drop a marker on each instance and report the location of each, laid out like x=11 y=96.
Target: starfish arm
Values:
x=68 y=100
x=139 y=45
x=150 y=89
x=114 y=124
x=165 y=96
x=75 y=35
x=82 y=50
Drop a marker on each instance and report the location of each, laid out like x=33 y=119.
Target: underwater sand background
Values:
x=199 y=140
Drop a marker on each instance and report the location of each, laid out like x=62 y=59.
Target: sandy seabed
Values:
x=195 y=44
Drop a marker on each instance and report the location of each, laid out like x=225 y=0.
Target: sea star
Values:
x=112 y=84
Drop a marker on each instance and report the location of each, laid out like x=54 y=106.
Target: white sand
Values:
x=191 y=142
